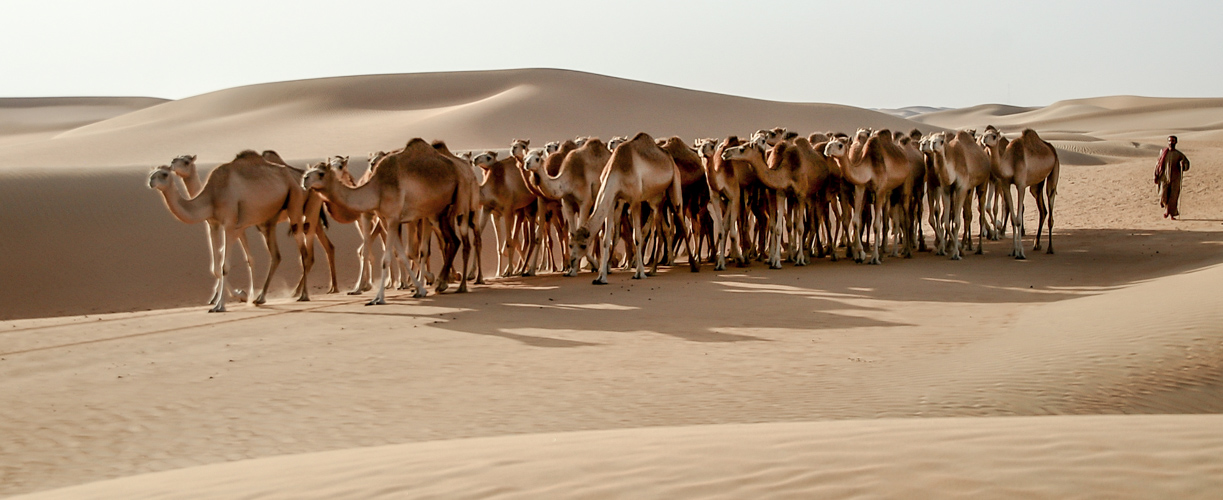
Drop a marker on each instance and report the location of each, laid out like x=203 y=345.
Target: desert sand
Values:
x=1096 y=372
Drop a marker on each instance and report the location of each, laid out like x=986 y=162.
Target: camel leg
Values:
x=1037 y=192
x=609 y=239
x=365 y=231
x=1017 y=222
x=859 y=254
x=305 y=249
x=220 y=265
x=269 y=238
x=214 y=235
x=329 y=252
x=1051 y=193
x=478 y=240
x=250 y=264
x=634 y=214
x=878 y=214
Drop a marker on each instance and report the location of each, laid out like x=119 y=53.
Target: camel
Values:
x=615 y=142
x=248 y=191
x=880 y=166
x=417 y=183
x=725 y=199
x=1028 y=162
x=505 y=197
x=962 y=167
x=552 y=147
x=795 y=171
x=995 y=143
x=519 y=148
x=694 y=187
x=314 y=225
x=638 y=173
x=575 y=184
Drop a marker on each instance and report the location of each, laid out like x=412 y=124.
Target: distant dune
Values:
x=33 y=119
x=473 y=110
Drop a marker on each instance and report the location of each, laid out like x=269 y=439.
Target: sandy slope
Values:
x=456 y=392
x=1036 y=457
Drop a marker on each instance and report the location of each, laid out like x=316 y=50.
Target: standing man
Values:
x=1172 y=163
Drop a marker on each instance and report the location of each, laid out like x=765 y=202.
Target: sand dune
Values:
x=800 y=382
x=356 y=115
x=1123 y=117
x=1096 y=457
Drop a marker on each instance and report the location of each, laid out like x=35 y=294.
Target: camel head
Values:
x=486 y=159
x=375 y=157
x=579 y=246
x=837 y=147
x=338 y=162
x=706 y=147
x=183 y=166
x=581 y=141
x=534 y=161
x=552 y=147
x=990 y=138
x=466 y=156
x=747 y=152
x=518 y=148
x=616 y=142
x=935 y=143
x=159 y=178
x=316 y=176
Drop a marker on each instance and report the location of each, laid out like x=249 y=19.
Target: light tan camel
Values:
x=880 y=166
x=791 y=171
x=725 y=199
x=506 y=198
x=576 y=183
x=616 y=142
x=1029 y=163
x=248 y=191
x=414 y=184
x=315 y=226
x=638 y=173
x=963 y=169
x=995 y=143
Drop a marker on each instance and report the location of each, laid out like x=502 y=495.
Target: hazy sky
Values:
x=869 y=54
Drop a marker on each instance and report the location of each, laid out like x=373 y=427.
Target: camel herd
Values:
x=775 y=197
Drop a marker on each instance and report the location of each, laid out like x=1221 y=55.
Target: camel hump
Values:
x=247 y=154
x=642 y=136
x=440 y=146
x=416 y=145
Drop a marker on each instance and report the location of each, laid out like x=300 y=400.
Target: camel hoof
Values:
x=480 y=281
x=303 y=299
x=462 y=289
x=1035 y=247
x=639 y=276
x=1049 y=251
x=217 y=309
x=355 y=292
x=599 y=281
x=376 y=302
x=1021 y=257
x=719 y=267
x=259 y=301
x=774 y=265
x=420 y=294
x=979 y=251
x=955 y=257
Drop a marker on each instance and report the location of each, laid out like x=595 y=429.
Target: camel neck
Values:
x=190 y=211
x=193 y=184
x=547 y=185
x=360 y=199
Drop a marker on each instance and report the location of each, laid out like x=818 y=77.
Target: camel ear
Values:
x=192 y=157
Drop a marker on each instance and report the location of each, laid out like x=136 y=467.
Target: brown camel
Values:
x=695 y=190
x=506 y=198
x=638 y=173
x=576 y=183
x=881 y=166
x=963 y=170
x=1029 y=163
x=248 y=191
x=725 y=199
x=414 y=184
